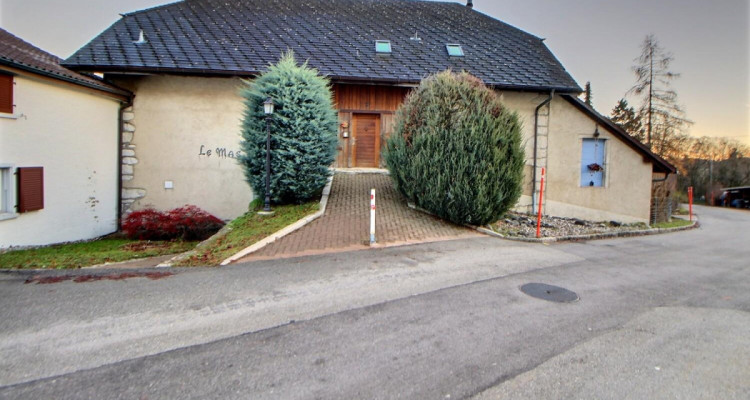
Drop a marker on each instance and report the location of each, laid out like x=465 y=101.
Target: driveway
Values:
x=662 y=316
x=346 y=222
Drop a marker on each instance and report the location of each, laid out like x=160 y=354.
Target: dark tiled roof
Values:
x=242 y=37
x=17 y=53
x=660 y=164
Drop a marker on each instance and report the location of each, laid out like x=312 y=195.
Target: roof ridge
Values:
x=128 y=14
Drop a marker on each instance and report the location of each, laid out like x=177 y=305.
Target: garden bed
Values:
x=84 y=254
x=516 y=225
x=243 y=232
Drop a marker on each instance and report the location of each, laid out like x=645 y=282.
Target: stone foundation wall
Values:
x=129 y=160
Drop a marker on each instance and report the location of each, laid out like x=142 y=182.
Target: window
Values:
x=383 y=46
x=455 y=50
x=592 y=162
x=6 y=196
x=30 y=187
x=6 y=93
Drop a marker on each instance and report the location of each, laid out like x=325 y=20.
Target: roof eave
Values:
x=112 y=69
x=105 y=87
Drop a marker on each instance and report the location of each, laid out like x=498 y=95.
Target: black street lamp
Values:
x=268 y=110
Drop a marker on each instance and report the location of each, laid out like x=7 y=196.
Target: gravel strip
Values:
x=522 y=225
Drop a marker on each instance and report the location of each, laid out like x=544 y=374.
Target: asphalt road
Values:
x=663 y=316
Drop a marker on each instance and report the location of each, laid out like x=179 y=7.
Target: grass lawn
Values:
x=675 y=223
x=77 y=255
x=247 y=230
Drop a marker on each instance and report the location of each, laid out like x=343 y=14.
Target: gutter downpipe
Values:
x=120 y=121
x=536 y=135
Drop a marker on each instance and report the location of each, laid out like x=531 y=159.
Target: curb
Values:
x=593 y=236
x=287 y=230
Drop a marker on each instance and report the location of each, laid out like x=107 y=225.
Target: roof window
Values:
x=455 y=50
x=383 y=46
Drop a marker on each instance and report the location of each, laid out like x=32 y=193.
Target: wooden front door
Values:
x=366 y=146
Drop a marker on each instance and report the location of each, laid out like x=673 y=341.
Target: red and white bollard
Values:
x=690 y=202
x=372 y=217
x=539 y=207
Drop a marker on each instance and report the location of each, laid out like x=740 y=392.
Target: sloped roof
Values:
x=17 y=53
x=242 y=37
x=660 y=164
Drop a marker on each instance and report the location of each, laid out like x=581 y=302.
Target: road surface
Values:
x=663 y=316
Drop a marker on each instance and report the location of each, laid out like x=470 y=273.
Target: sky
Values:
x=595 y=40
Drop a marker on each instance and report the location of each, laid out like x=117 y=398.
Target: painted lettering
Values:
x=220 y=152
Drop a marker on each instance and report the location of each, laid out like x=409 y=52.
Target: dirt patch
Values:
x=43 y=280
x=143 y=246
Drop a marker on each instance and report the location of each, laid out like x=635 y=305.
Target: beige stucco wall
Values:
x=179 y=123
x=72 y=133
x=177 y=120
x=625 y=196
x=627 y=177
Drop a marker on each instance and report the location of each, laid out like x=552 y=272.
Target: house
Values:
x=59 y=161
x=185 y=62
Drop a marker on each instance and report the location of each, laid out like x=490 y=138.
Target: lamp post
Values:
x=268 y=110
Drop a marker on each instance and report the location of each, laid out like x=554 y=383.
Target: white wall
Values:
x=72 y=133
x=184 y=130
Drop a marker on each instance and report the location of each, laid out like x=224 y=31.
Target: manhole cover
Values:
x=549 y=292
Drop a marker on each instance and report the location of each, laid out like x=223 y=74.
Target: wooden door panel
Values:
x=367 y=140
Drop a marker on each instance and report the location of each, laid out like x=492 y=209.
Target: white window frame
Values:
x=7 y=192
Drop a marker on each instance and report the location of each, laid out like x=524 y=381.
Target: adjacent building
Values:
x=59 y=141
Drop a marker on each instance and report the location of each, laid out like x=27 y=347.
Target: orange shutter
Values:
x=6 y=93
x=30 y=188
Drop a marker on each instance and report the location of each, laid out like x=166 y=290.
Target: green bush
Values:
x=303 y=132
x=456 y=150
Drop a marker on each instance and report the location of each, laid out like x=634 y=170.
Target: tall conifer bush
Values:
x=303 y=131
x=456 y=150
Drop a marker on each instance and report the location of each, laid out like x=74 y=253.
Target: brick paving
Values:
x=346 y=222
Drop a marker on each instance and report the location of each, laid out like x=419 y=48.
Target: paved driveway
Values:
x=346 y=222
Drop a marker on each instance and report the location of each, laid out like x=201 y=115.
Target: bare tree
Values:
x=662 y=116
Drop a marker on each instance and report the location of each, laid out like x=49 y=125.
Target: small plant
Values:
x=595 y=167
x=187 y=223
x=191 y=223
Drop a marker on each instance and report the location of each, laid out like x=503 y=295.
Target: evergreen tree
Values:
x=456 y=150
x=587 y=98
x=664 y=119
x=303 y=131
x=626 y=118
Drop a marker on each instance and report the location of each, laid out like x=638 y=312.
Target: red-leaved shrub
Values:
x=192 y=223
x=186 y=223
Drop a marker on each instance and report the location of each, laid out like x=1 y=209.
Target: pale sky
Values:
x=595 y=40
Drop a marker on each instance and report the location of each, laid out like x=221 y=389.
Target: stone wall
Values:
x=129 y=161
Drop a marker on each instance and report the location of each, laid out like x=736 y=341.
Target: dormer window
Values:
x=455 y=50
x=383 y=46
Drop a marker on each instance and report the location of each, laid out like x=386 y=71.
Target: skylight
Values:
x=382 y=46
x=455 y=50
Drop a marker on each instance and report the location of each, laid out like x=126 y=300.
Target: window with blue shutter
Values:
x=592 y=162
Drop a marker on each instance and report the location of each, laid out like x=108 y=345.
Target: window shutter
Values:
x=6 y=93
x=30 y=188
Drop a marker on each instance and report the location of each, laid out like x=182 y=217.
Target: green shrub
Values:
x=303 y=132
x=456 y=150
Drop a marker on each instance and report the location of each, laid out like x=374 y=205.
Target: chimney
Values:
x=469 y=4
